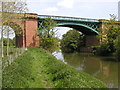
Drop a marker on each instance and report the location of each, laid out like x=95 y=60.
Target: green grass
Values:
x=37 y=68
x=24 y=72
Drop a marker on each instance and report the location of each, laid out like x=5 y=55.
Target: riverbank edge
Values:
x=37 y=68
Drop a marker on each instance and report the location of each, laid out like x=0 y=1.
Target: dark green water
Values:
x=103 y=68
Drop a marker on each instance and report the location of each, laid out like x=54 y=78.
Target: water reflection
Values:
x=100 y=67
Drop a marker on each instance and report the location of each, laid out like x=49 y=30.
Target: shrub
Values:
x=11 y=42
x=117 y=45
x=49 y=44
x=102 y=50
x=72 y=41
x=47 y=34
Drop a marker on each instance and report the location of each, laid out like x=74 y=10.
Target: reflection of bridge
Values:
x=30 y=25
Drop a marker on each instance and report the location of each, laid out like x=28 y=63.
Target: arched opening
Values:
x=8 y=33
x=15 y=32
x=89 y=33
x=61 y=31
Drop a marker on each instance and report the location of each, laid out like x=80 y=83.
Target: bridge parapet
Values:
x=68 y=18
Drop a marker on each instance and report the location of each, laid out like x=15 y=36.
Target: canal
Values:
x=103 y=68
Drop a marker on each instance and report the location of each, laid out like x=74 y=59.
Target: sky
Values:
x=96 y=9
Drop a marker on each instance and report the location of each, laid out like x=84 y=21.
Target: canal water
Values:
x=103 y=68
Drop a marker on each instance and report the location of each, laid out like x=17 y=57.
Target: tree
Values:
x=47 y=29
x=72 y=41
x=117 y=46
x=11 y=10
x=7 y=32
x=108 y=35
x=47 y=34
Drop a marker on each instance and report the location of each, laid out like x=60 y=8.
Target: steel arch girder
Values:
x=78 y=24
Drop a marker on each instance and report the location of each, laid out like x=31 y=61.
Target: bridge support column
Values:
x=92 y=40
x=32 y=39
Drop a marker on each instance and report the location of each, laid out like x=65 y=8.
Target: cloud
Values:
x=51 y=9
x=66 y=3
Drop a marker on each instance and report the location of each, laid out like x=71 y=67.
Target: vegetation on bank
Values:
x=72 y=41
x=25 y=72
x=117 y=45
x=109 y=39
x=47 y=35
x=11 y=42
x=36 y=68
x=12 y=49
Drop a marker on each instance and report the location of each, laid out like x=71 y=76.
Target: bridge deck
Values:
x=68 y=18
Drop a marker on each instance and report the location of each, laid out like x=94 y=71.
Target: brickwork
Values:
x=17 y=24
x=28 y=27
x=32 y=39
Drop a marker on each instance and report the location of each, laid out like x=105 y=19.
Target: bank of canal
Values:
x=103 y=68
x=37 y=68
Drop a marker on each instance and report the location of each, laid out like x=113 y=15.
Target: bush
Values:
x=47 y=34
x=72 y=41
x=102 y=50
x=108 y=35
x=11 y=42
x=49 y=44
x=117 y=45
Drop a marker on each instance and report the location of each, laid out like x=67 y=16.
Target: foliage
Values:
x=49 y=44
x=103 y=50
x=47 y=35
x=12 y=50
x=108 y=36
x=72 y=41
x=112 y=35
x=36 y=68
x=11 y=42
x=47 y=28
x=117 y=45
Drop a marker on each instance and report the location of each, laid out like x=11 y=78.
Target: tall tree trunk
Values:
x=2 y=47
x=7 y=41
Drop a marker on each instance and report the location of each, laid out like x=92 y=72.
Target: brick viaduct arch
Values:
x=25 y=30
x=18 y=33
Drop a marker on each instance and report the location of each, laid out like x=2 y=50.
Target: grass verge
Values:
x=37 y=68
